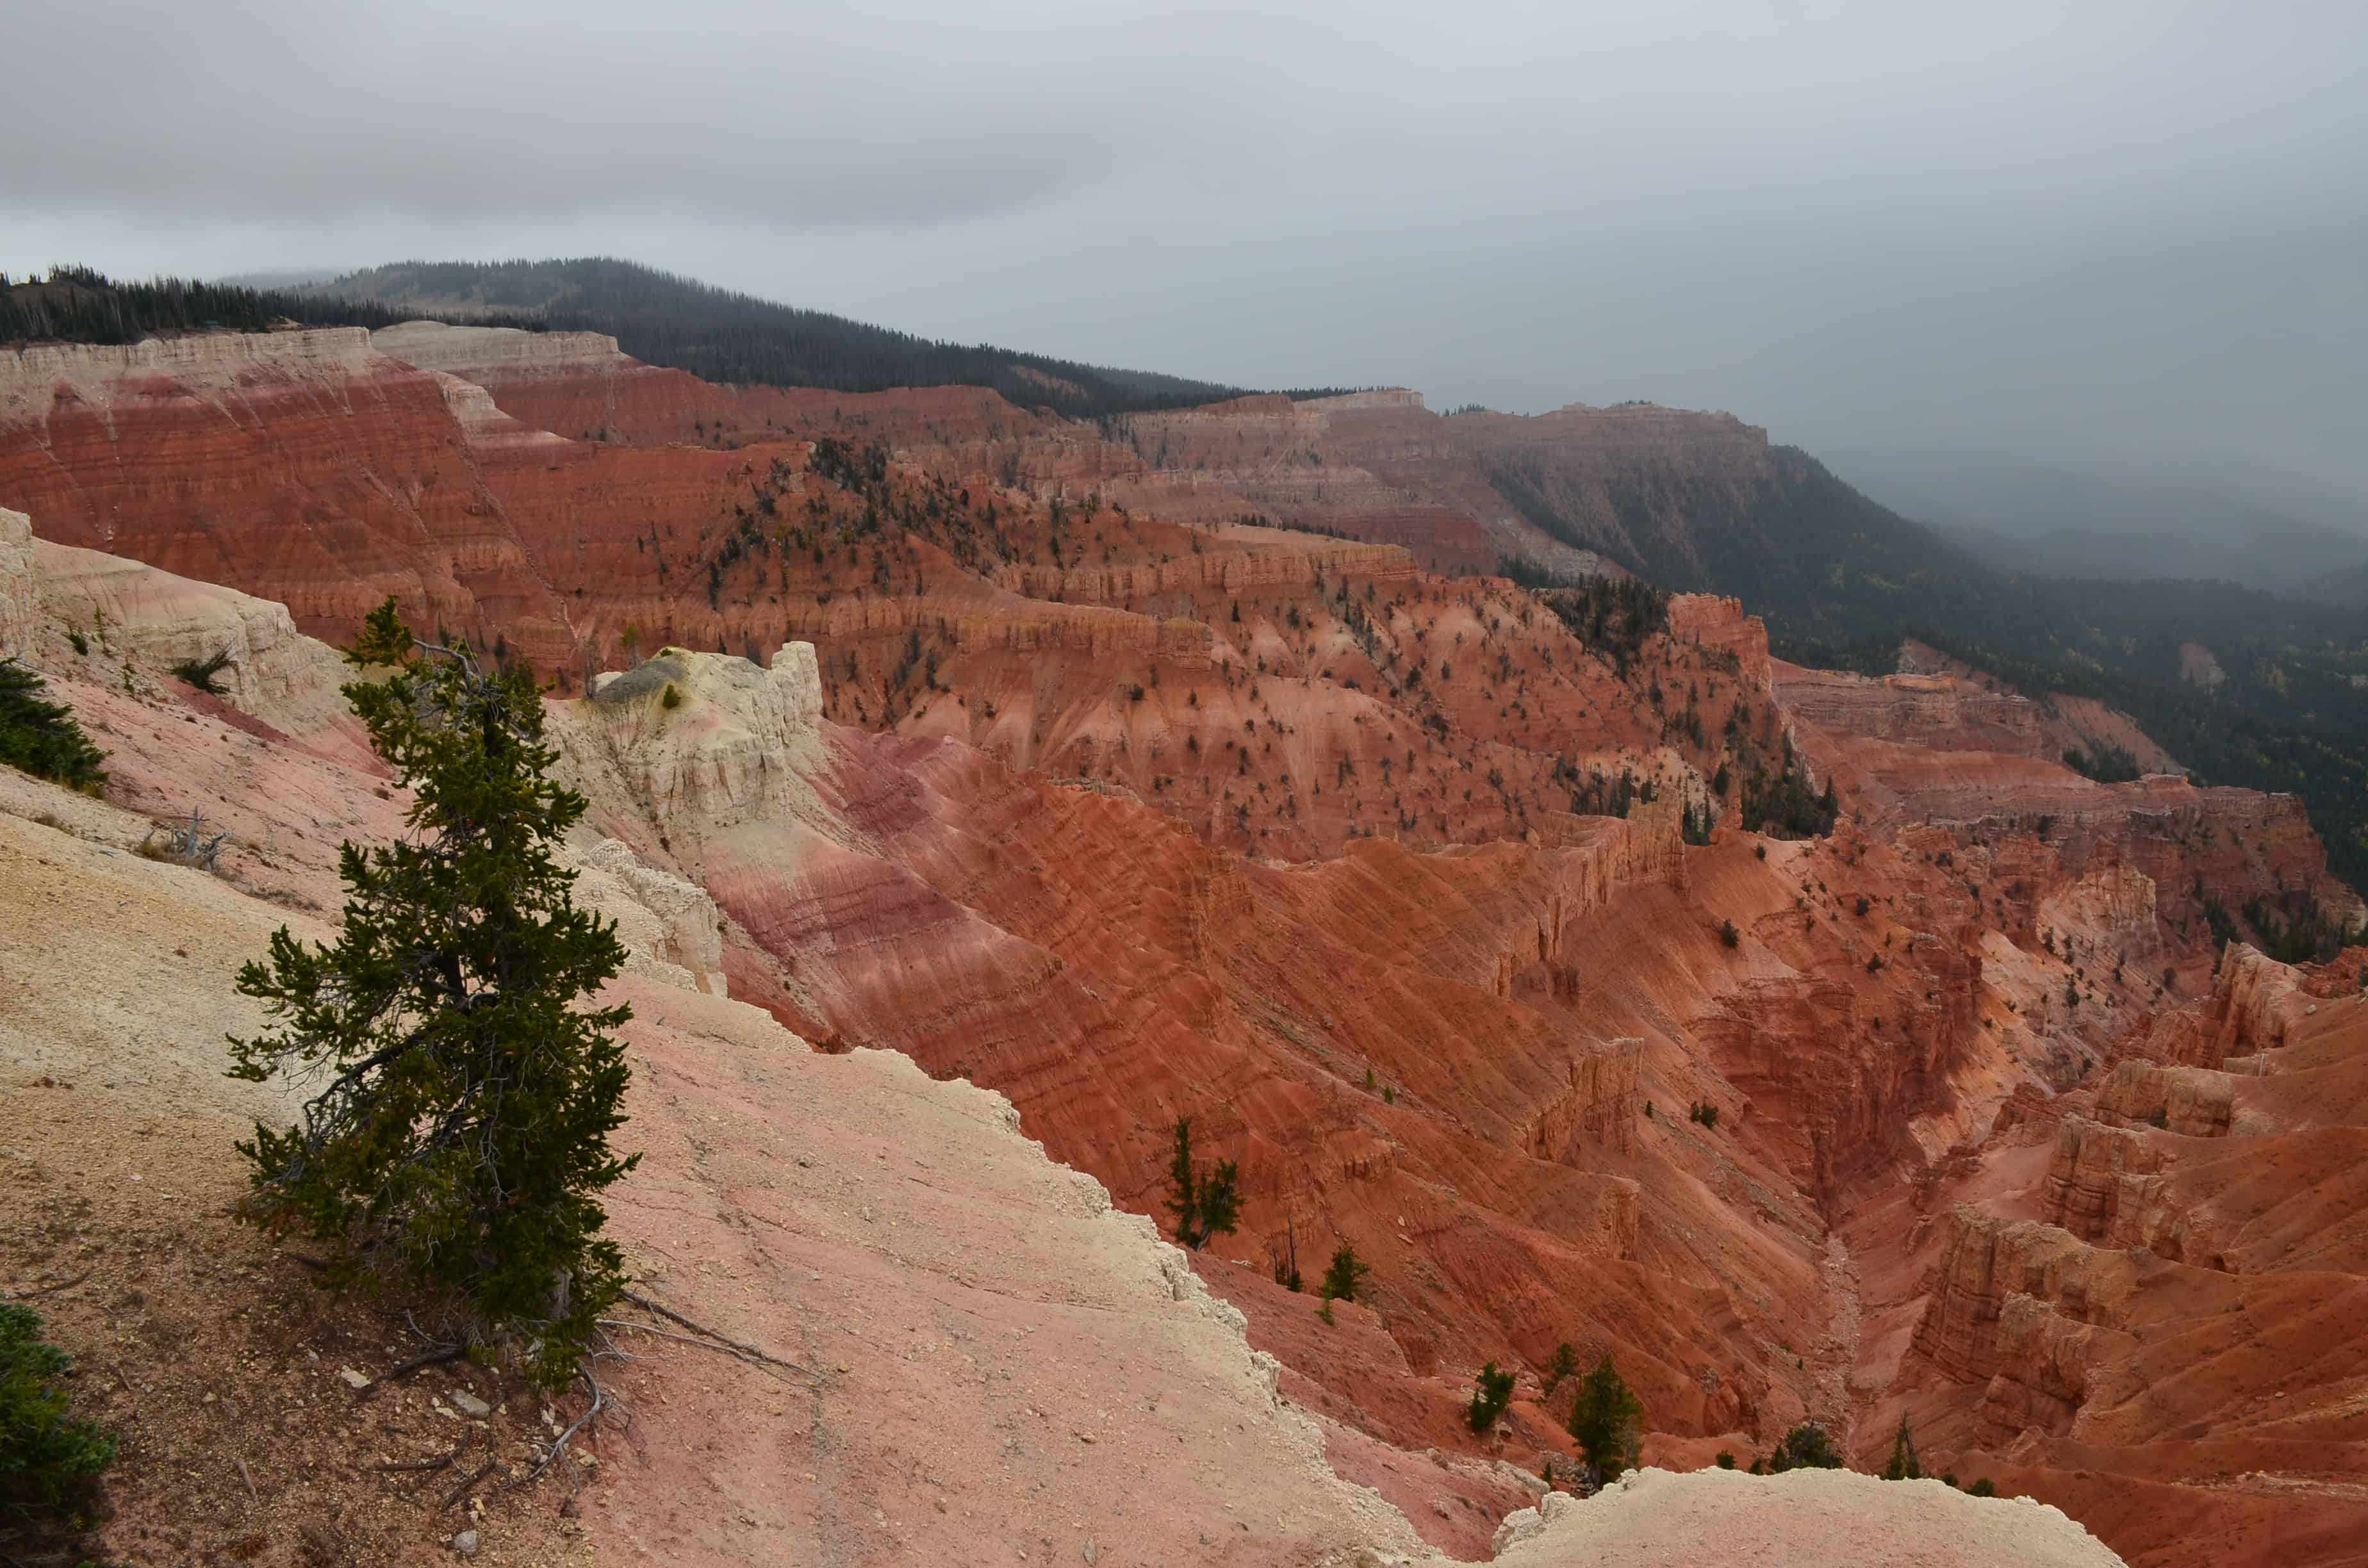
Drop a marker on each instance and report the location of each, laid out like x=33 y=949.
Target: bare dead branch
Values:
x=439 y=1356
x=416 y=1466
x=709 y=1338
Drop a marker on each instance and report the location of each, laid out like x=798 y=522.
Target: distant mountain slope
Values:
x=723 y=337
x=2348 y=587
x=1702 y=502
x=2045 y=520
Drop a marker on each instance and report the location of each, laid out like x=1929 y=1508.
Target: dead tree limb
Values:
x=437 y=1356
x=709 y=1337
x=418 y=1466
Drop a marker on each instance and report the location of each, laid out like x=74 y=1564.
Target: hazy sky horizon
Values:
x=2116 y=233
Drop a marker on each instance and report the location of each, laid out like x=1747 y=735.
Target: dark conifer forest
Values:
x=719 y=335
x=76 y=304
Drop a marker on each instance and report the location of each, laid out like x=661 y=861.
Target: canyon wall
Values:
x=922 y=725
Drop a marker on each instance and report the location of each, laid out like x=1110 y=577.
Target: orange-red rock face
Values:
x=1280 y=692
x=1141 y=814
x=2162 y=1334
x=301 y=466
x=1378 y=465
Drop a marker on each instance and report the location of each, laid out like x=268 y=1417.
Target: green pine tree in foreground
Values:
x=462 y=1138
x=45 y=1454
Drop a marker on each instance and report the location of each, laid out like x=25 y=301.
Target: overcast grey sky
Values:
x=2119 y=229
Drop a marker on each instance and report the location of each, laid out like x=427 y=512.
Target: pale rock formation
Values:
x=1345 y=403
x=487 y=429
x=20 y=602
x=740 y=745
x=200 y=364
x=132 y=617
x=670 y=927
x=130 y=612
x=1804 y=1519
x=460 y=350
x=2198 y=667
x=898 y=1234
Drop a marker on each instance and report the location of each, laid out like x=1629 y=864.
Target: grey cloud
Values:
x=2119 y=231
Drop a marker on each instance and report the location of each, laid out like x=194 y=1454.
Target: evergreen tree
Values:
x=44 y=1452
x=42 y=736
x=1903 y=1465
x=462 y=1139
x=1565 y=1364
x=1220 y=1201
x=1493 y=1391
x=1344 y=1276
x=1286 y=1268
x=1204 y=1203
x=1608 y=1423
x=1805 y=1446
x=1183 y=1184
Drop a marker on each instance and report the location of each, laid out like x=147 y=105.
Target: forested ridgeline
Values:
x=76 y=304
x=719 y=335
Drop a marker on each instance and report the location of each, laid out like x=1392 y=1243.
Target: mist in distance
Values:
x=2120 y=240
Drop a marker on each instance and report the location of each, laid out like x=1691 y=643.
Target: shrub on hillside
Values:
x=1344 y=1276
x=1493 y=1391
x=42 y=736
x=200 y=673
x=1805 y=1446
